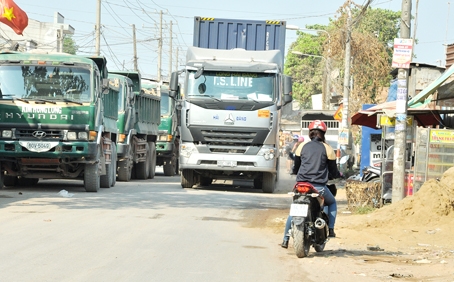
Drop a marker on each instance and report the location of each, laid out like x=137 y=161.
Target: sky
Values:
x=434 y=27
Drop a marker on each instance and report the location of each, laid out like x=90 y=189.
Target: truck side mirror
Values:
x=287 y=89
x=105 y=85
x=173 y=86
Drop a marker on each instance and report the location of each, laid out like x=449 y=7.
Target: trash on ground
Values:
x=65 y=194
x=375 y=248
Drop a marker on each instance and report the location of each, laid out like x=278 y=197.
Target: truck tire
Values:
x=268 y=182
x=187 y=178
x=152 y=173
x=107 y=181
x=170 y=165
x=124 y=171
x=143 y=168
x=125 y=168
x=115 y=165
x=258 y=183
x=91 y=177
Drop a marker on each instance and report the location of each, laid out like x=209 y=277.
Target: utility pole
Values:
x=160 y=47
x=345 y=129
x=170 y=52
x=98 y=29
x=176 y=59
x=401 y=114
x=134 y=42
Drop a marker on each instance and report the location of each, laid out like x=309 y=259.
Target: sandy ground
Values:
x=411 y=240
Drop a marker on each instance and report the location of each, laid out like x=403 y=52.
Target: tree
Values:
x=372 y=34
x=69 y=45
x=305 y=70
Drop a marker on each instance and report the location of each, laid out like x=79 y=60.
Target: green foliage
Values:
x=69 y=45
x=372 y=35
x=307 y=71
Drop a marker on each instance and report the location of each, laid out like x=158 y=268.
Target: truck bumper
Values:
x=164 y=149
x=70 y=150
x=228 y=162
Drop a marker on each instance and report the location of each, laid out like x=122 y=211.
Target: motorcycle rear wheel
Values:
x=301 y=241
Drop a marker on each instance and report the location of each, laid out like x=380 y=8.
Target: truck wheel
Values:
x=107 y=181
x=9 y=180
x=187 y=178
x=115 y=165
x=125 y=168
x=143 y=168
x=91 y=177
x=268 y=182
x=152 y=173
x=170 y=166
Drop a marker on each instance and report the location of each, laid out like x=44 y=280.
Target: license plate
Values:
x=298 y=210
x=227 y=163
x=38 y=146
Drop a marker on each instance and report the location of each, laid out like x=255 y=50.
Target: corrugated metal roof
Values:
x=449 y=55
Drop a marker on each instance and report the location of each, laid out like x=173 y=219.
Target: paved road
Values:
x=149 y=230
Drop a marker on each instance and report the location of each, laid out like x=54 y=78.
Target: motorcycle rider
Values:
x=318 y=161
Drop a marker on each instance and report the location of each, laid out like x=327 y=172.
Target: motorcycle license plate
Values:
x=298 y=209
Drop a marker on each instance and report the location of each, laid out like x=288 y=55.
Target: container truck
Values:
x=235 y=88
x=138 y=121
x=58 y=119
x=167 y=146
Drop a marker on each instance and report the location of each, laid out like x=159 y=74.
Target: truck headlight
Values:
x=83 y=135
x=187 y=149
x=7 y=133
x=165 y=138
x=267 y=153
x=72 y=135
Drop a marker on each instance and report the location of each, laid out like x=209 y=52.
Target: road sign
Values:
x=338 y=113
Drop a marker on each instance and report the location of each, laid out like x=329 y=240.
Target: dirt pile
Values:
x=432 y=203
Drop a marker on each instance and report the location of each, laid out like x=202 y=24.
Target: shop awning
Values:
x=425 y=117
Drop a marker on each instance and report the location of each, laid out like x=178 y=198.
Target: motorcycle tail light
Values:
x=304 y=188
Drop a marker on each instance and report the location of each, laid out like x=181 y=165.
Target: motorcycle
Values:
x=309 y=225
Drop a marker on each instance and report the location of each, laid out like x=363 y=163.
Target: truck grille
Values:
x=228 y=137
x=48 y=134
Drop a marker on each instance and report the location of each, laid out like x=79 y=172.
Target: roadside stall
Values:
x=382 y=117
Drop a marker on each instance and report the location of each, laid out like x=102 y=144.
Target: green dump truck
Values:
x=138 y=121
x=58 y=120
x=167 y=146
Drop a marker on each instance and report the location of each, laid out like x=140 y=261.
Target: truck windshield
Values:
x=258 y=87
x=164 y=103
x=45 y=82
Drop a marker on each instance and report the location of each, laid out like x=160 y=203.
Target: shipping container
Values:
x=228 y=34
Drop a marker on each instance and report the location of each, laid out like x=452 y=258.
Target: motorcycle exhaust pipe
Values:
x=319 y=223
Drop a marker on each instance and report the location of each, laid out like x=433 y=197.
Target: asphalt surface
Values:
x=143 y=230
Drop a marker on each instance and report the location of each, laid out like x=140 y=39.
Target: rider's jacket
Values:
x=318 y=160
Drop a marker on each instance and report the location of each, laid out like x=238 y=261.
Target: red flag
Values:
x=13 y=16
